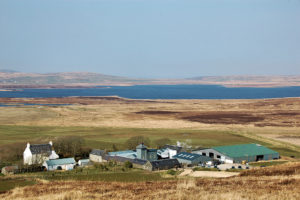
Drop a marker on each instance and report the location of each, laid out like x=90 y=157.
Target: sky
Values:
x=151 y=38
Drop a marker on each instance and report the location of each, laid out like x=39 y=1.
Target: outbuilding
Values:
x=83 y=162
x=239 y=153
x=162 y=164
x=97 y=155
x=60 y=164
x=191 y=158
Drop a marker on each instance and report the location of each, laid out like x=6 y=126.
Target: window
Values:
x=203 y=154
x=218 y=156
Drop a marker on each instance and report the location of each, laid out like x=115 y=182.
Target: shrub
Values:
x=171 y=172
x=128 y=164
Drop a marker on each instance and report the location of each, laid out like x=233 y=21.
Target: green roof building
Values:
x=239 y=153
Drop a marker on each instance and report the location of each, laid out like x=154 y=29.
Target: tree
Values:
x=69 y=146
x=132 y=142
x=162 y=142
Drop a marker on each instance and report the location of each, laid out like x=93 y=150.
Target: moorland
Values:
x=107 y=123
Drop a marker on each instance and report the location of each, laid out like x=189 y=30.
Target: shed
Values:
x=60 y=164
x=191 y=158
x=83 y=162
x=97 y=155
x=162 y=164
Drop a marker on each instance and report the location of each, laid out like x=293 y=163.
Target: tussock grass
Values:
x=291 y=168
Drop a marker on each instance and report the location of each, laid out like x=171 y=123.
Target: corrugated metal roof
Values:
x=165 y=163
x=124 y=159
x=187 y=156
x=242 y=150
x=120 y=152
x=62 y=161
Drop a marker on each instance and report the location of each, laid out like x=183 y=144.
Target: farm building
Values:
x=168 y=151
x=144 y=153
x=127 y=154
x=97 y=155
x=9 y=170
x=60 y=164
x=137 y=163
x=83 y=162
x=162 y=164
x=239 y=153
x=38 y=153
x=191 y=158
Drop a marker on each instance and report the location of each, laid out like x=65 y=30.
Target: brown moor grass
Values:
x=283 y=186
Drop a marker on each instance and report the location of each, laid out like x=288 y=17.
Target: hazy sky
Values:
x=151 y=38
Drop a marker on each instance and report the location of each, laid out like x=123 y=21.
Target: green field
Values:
x=105 y=138
x=8 y=184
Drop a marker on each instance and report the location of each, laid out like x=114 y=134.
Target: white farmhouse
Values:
x=38 y=153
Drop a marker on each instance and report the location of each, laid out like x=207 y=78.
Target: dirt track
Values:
x=215 y=174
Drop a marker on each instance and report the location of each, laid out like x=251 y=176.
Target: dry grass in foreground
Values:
x=240 y=187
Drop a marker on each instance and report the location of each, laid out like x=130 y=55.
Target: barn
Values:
x=191 y=158
x=239 y=153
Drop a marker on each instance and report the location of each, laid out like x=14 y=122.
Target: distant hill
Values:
x=68 y=78
x=7 y=71
x=250 y=80
x=13 y=79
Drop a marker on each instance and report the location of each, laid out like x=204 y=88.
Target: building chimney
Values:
x=51 y=143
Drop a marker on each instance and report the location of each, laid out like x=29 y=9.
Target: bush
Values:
x=132 y=142
x=128 y=164
x=171 y=172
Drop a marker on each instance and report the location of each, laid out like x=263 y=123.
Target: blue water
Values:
x=162 y=92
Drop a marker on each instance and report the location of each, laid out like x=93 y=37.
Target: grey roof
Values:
x=124 y=159
x=167 y=163
x=41 y=149
x=98 y=152
x=173 y=147
x=141 y=146
x=187 y=156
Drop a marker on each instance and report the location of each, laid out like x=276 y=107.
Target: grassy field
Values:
x=96 y=136
x=8 y=184
x=104 y=137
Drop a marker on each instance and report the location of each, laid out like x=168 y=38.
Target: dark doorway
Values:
x=211 y=154
x=59 y=168
x=259 y=157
